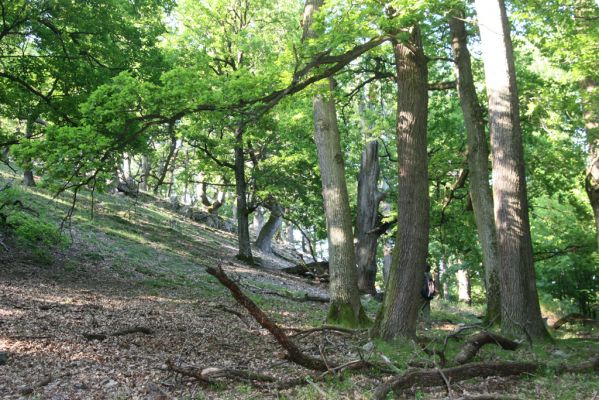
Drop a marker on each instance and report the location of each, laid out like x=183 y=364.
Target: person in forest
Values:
x=428 y=292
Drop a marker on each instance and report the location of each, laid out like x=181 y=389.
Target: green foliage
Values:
x=26 y=224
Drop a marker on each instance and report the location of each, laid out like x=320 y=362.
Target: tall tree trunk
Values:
x=521 y=313
x=463 y=285
x=590 y=112
x=165 y=167
x=345 y=307
x=145 y=172
x=387 y=261
x=368 y=204
x=243 y=229
x=258 y=221
x=398 y=315
x=270 y=228
x=28 y=179
x=478 y=164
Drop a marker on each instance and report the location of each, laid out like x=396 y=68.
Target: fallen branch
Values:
x=436 y=377
x=574 y=317
x=128 y=331
x=294 y=353
x=326 y=328
x=206 y=374
x=474 y=344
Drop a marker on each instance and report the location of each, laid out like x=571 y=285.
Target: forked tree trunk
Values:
x=478 y=164
x=270 y=228
x=243 y=229
x=398 y=315
x=368 y=204
x=521 y=313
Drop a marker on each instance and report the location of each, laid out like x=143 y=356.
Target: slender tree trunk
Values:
x=258 y=221
x=521 y=313
x=590 y=112
x=270 y=228
x=145 y=172
x=463 y=285
x=28 y=179
x=345 y=307
x=368 y=204
x=165 y=167
x=478 y=164
x=243 y=229
x=387 y=261
x=398 y=315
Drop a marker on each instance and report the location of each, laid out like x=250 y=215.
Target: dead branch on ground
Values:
x=474 y=344
x=294 y=353
x=433 y=377
x=128 y=331
x=574 y=317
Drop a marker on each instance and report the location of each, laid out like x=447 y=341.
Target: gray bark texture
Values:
x=270 y=228
x=345 y=307
x=478 y=165
x=145 y=172
x=243 y=229
x=520 y=313
x=368 y=204
x=398 y=315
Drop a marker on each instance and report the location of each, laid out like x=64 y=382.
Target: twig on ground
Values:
x=104 y=336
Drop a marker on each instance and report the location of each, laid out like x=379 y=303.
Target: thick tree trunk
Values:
x=590 y=112
x=398 y=315
x=28 y=179
x=270 y=228
x=521 y=313
x=478 y=164
x=243 y=229
x=345 y=308
x=368 y=204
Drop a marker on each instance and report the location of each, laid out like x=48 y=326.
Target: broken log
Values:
x=314 y=270
x=206 y=374
x=294 y=353
x=574 y=317
x=433 y=377
x=476 y=342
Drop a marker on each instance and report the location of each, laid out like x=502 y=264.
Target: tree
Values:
x=521 y=313
x=478 y=161
x=345 y=308
x=398 y=314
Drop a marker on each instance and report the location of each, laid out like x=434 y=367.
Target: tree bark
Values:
x=463 y=286
x=165 y=167
x=270 y=228
x=145 y=172
x=368 y=204
x=28 y=179
x=590 y=113
x=345 y=308
x=521 y=313
x=478 y=164
x=398 y=315
x=243 y=229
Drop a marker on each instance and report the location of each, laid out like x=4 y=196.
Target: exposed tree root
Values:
x=294 y=353
x=435 y=377
x=574 y=318
x=102 y=336
x=474 y=344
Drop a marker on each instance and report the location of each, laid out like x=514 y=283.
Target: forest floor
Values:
x=139 y=266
